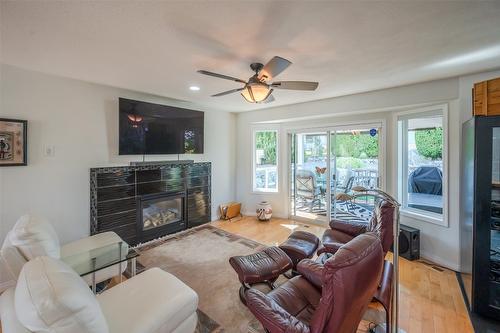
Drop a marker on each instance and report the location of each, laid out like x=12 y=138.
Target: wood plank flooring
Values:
x=430 y=297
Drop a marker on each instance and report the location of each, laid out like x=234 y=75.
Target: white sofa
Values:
x=51 y=297
x=32 y=237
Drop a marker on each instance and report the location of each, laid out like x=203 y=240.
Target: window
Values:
x=422 y=163
x=265 y=161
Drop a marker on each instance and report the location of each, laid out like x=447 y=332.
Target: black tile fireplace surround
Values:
x=141 y=203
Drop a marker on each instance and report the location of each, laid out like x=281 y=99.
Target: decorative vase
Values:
x=264 y=211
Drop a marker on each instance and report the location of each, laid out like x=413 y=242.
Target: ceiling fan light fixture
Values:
x=256 y=92
x=258 y=88
x=247 y=94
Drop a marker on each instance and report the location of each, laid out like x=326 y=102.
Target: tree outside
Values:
x=266 y=142
x=429 y=143
x=362 y=145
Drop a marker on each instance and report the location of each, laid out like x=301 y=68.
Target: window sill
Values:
x=261 y=192
x=418 y=215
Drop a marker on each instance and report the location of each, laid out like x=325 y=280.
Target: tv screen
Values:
x=147 y=128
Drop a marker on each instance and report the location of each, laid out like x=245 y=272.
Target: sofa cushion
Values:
x=33 y=237
x=298 y=297
x=51 y=297
x=163 y=301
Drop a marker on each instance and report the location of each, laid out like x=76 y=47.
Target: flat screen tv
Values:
x=147 y=128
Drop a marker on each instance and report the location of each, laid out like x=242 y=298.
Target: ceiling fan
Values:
x=258 y=89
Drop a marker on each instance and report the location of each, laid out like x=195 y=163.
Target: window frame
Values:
x=401 y=124
x=255 y=130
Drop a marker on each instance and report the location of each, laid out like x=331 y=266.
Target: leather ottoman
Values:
x=300 y=245
x=261 y=267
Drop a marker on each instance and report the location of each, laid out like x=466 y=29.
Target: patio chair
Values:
x=307 y=188
x=347 y=186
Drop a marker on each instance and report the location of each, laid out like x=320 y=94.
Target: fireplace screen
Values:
x=161 y=211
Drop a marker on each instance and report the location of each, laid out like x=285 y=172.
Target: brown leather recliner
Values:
x=330 y=298
x=341 y=232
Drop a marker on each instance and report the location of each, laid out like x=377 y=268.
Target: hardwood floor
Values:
x=430 y=297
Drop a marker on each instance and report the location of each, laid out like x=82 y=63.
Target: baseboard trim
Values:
x=438 y=260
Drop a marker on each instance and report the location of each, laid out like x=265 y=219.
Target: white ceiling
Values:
x=156 y=47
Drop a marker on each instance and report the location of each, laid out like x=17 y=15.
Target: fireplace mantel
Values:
x=116 y=193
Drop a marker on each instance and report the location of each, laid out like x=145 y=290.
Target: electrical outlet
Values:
x=49 y=151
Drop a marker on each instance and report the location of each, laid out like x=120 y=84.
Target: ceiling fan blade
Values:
x=273 y=68
x=228 y=92
x=295 y=85
x=269 y=99
x=221 y=76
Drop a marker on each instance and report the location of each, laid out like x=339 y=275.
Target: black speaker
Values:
x=409 y=243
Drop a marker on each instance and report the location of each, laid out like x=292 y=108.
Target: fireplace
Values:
x=160 y=214
x=117 y=195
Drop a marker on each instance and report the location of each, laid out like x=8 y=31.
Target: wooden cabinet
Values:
x=486 y=96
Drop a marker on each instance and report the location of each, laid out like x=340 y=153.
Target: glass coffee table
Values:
x=94 y=260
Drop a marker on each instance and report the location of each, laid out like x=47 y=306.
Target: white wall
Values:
x=1 y=205
x=438 y=243
x=80 y=119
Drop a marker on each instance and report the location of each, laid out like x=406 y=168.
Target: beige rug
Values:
x=200 y=258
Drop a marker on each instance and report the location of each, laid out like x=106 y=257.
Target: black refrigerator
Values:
x=480 y=215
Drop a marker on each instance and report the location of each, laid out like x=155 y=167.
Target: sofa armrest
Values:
x=312 y=271
x=161 y=303
x=10 y=323
x=272 y=316
x=351 y=228
x=331 y=249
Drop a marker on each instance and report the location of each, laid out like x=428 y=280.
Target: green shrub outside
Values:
x=429 y=142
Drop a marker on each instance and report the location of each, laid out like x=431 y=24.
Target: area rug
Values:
x=199 y=257
x=345 y=211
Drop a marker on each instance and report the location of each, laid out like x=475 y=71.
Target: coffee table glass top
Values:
x=99 y=258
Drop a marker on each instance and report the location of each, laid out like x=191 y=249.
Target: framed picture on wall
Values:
x=13 y=142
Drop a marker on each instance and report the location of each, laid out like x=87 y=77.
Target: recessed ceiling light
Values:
x=194 y=88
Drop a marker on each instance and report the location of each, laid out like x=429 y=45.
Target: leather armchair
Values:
x=324 y=298
x=341 y=232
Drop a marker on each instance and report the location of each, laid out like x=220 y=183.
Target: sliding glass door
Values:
x=356 y=163
x=309 y=179
x=332 y=161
